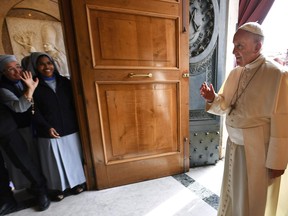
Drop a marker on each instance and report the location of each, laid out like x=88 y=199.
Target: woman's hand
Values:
x=27 y=78
x=31 y=84
x=53 y=133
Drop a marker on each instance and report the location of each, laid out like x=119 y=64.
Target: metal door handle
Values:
x=131 y=75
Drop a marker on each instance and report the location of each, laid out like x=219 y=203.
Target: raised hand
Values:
x=27 y=78
x=31 y=84
x=207 y=92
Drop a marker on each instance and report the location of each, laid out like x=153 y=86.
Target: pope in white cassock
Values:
x=254 y=99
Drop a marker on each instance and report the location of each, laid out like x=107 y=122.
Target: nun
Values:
x=16 y=97
x=12 y=95
x=57 y=129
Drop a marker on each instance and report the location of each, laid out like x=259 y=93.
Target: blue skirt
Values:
x=61 y=161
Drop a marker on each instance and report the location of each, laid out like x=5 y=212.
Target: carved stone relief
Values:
x=29 y=36
x=201 y=23
x=199 y=72
x=203 y=66
x=203 y=34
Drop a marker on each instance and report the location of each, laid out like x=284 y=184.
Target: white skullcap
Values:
x=252 y=27
x=4 y=59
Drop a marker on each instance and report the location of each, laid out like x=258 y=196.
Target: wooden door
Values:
x=133 y=60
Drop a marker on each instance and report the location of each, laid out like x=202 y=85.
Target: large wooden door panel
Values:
x=132 y=55
x=138 y=120
x=132 y=38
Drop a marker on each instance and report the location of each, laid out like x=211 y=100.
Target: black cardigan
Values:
x=7 y=123
x=55 y=110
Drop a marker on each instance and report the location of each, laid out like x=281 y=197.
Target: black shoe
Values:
x=78 y=189
x=57 y=196
x=8 y=206
x=43 y=202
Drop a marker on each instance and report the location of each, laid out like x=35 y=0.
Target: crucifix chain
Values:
x=236 y=95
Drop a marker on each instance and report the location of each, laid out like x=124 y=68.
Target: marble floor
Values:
x=193 y=193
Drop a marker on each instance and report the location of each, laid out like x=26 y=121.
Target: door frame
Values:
x=70 y=41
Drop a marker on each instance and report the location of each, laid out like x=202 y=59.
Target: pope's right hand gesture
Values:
x=207 y=92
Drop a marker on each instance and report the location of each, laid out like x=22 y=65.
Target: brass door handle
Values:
x=185 y=75
x=131 y=75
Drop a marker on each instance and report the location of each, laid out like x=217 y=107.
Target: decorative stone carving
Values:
x=200 y=115
x=49 y=39
x=201 y=21
x=204 y=66
x=25 y=39
x=203 y=34
x=28 y=35
x=202 y=28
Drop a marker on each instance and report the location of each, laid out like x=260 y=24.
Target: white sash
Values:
x=235 y=135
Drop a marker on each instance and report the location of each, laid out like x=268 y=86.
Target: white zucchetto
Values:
x=252 y=27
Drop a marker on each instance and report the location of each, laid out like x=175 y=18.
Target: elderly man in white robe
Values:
x=254 y=99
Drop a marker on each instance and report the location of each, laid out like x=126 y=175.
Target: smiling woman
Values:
x=56 y=129
x=276 y=42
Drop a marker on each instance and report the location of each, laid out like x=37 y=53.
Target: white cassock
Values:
x=257 y=139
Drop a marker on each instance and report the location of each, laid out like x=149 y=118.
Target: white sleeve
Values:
x=277 y=155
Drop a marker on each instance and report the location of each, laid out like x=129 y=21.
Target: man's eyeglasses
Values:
x=13 y=69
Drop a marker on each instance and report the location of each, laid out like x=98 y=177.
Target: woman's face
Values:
x=13 y=71
x=45 y=66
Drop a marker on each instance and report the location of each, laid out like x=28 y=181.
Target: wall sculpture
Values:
x=28 y=35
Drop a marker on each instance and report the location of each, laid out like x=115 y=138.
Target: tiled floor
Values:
x=193 y=193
